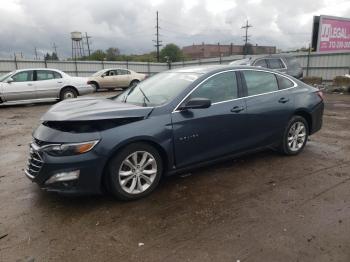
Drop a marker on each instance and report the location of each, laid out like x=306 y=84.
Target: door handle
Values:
x=29 y=84
x=283 y=100
x=237 y=109
x=59 y=82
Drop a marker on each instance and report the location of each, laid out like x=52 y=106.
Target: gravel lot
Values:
x=262 y=207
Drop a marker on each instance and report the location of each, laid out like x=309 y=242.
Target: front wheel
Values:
x=134 y=172
x=134 y=83
x=295 y=136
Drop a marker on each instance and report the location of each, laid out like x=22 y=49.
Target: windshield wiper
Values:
x=145 y=97
x=126 y=96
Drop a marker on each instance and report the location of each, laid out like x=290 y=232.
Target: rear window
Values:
x=261 y=62
x=292 y=63
x=283 y=82
x=275 y=63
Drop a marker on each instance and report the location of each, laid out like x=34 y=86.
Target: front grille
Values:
x=35 y=161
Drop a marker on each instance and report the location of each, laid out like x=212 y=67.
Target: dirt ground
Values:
x=262 y=207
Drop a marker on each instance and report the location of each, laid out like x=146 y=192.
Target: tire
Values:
x=134 y=83
x=128 y=180
x=68 y=93
x=294 y=141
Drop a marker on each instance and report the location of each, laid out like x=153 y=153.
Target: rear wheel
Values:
x=68 y=93
x=295 y=136
x=134 y=172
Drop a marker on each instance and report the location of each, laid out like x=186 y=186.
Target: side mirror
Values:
x=196 y=103
x=103 y=75
x=9 y=80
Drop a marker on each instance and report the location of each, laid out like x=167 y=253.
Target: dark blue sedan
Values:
x=169 y=123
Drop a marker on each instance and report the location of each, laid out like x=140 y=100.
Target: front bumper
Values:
x=84 y=90
x=41 y=167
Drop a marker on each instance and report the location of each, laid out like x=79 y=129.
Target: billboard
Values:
x=331 y=34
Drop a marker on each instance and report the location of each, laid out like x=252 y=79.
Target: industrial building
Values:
x=216 y=50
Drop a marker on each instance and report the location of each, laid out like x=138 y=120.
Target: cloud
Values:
x=130 y=25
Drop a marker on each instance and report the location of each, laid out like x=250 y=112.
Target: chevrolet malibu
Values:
x=167 y=124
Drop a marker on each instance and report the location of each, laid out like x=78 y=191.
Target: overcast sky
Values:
x=130 y=24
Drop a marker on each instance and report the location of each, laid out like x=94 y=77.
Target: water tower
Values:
x=77 y=45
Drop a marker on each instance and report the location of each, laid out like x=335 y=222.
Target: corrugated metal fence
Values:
x=325 y=65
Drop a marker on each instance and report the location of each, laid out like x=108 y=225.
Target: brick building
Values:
x=210 y=50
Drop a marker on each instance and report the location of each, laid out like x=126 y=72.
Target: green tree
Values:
x=112 y=53
x=98 y=55
x=171 y=53
x=52 y=56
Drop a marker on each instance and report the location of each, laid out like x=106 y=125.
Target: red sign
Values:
x=334 y=34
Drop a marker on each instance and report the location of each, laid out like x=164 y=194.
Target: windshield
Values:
x=3 y=77
x=158 y=89
x=241 y=62
x=98 y=72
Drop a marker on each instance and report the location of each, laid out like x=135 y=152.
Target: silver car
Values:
x=41 y=84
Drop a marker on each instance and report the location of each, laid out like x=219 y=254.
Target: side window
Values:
x=283 y=82
x=112 y=73
x=259 y=82
x=261 y=62
x=57 y=75
x=123 y=72
x=275 y=63
x=23 y=76
x=44 y=75
x=218 y=88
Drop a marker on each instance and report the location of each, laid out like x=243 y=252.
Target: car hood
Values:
x=83 y=109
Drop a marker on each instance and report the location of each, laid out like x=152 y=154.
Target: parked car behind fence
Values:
x=115 y=78
x=282 y=63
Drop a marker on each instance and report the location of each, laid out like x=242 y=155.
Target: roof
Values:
x=204 y=69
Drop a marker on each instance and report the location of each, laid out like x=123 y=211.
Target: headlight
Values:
x=70 y=149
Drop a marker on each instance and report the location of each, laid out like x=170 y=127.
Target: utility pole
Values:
x=157 y=41
x=54 y=46
x=246 y=36
x=87 y=42
x=36 y=53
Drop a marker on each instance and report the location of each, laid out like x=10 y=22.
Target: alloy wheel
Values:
x=137 y=172
x=296 y=136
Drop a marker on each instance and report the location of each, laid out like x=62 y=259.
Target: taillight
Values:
x=320 y=94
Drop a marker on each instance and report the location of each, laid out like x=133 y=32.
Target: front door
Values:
x=203 y=134
x=21 y=87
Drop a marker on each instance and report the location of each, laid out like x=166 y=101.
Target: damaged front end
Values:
x=68 y=153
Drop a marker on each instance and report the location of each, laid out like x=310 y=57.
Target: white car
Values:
x=38 y=84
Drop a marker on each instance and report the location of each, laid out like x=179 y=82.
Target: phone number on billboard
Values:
x=338 y=45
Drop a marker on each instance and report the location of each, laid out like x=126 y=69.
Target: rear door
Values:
x=48 y=83
x=123 y=77
x=203 y=134
x=21 y=88
x=269 y=107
